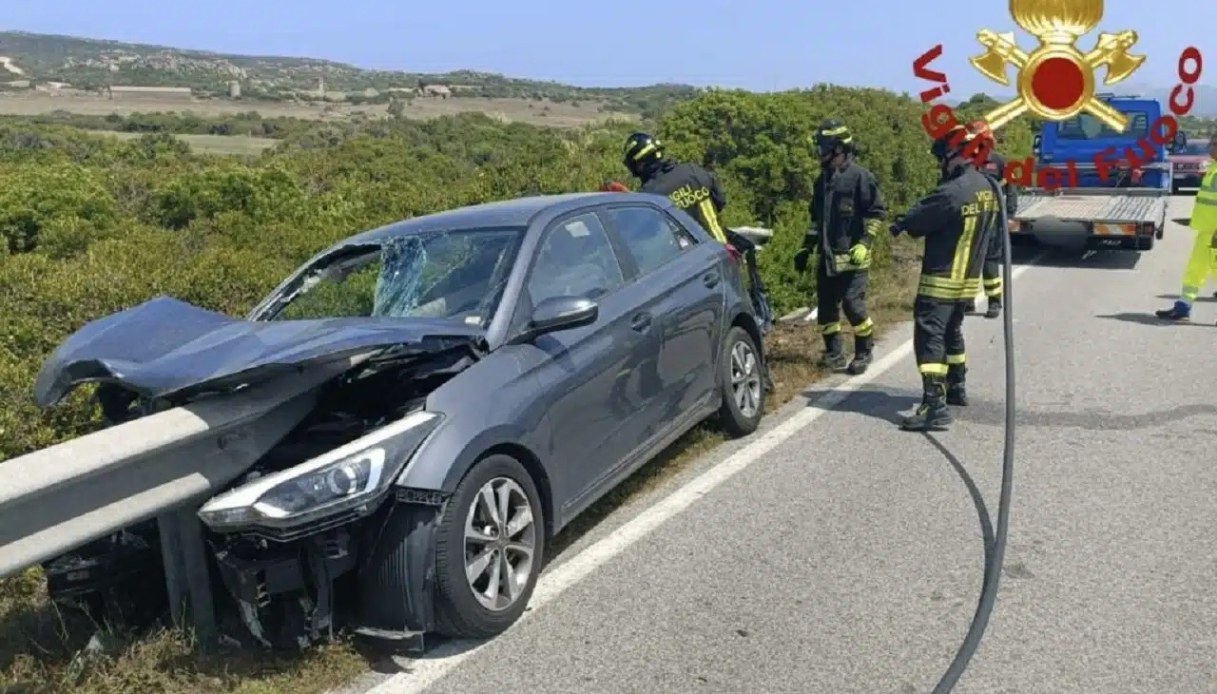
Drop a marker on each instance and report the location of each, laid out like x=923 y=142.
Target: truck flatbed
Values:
x=1129 y=218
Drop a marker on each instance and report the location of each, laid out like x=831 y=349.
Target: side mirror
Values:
x=561 y=313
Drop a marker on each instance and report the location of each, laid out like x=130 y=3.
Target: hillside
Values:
x=94 y=63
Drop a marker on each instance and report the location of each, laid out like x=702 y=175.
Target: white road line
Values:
x=440 y=661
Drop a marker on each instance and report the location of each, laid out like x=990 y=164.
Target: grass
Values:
x=38 y=644
x=210 y=144
x=544 y=112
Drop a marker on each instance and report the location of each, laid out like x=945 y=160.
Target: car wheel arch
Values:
x=505 y=443
x=743 y=320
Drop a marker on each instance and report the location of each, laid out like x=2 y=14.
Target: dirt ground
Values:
x=535 y=112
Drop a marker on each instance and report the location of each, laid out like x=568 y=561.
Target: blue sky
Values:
x=755 y=44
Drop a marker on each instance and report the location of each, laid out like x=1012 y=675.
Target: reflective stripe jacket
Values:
x=1204 y=210
x=694 y=190
x=846 y=210
x=958 y=221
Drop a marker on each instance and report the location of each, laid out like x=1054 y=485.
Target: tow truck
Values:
x=1126 y=210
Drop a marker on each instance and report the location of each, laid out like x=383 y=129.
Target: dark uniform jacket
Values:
x=694 y=190
x=958 y=221
x=846 y=210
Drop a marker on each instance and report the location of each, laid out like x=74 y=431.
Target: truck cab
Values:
x=1083 y=138
x=1124 y=210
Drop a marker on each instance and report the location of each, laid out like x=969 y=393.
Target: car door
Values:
x=594 y=376
x=681 y=284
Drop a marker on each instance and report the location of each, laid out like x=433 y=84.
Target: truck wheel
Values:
x=488 y=550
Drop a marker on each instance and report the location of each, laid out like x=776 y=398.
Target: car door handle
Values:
x=642 y=322
x=710 y=279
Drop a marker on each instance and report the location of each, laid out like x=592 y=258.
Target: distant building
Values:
x=440 y=90
x=234 y=89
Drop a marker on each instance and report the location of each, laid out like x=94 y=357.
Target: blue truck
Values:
x=1123 y=210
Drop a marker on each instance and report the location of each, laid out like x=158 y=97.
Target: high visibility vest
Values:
x=1204 y=211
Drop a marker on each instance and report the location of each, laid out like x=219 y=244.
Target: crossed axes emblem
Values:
x=1110 y=50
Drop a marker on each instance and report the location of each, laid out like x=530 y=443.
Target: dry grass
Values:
x=525 y=110
x=37 y=644
x=210 y=144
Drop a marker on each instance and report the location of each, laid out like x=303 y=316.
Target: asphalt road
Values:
x=838 y=554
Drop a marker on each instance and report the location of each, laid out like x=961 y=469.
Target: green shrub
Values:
x=96 y=225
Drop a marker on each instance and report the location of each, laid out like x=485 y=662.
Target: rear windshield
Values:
x=1087 y=127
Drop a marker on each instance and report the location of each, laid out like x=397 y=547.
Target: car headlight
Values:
x=344 y=479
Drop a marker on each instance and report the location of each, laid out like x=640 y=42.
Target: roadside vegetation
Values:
x=93 y=224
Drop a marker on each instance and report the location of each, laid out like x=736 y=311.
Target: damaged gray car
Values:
x=512 y=363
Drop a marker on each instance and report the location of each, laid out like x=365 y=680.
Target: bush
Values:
x=94 y=226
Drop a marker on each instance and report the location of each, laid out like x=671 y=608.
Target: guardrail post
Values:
x=187 y=574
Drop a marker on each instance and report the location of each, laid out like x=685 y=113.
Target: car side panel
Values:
x=496 y=400
x=690 y=299
x=600 y=380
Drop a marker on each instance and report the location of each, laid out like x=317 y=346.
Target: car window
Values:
x=650 y=236
x=1086 y=127
x=575 y=259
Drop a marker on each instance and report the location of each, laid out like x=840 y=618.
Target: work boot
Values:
x=932 y=414
x=863 y=347
x=1181 y=311
x=969 y=306
x=834 y=356
x=957 y=393
x=994 y=307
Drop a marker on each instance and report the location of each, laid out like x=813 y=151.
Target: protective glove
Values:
x=800 y=260
x=803 y=256
x=858 y=254
x=897 y=225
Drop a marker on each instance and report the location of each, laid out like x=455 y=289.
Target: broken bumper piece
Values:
x=285 y=594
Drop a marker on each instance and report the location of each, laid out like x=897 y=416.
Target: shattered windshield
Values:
x=458 y=274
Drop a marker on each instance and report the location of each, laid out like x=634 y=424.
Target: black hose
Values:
x=994 y=559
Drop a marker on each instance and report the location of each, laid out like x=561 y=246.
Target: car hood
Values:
x=165 y=347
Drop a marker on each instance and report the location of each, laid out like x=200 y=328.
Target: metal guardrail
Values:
x=164 y=466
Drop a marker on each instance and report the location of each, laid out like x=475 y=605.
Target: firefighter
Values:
x=994 y=166
x=689 y=186
x=846 y=216
x=1202 y=263
x=957 y=221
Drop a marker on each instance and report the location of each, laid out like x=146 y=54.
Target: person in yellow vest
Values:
x=1202 y=263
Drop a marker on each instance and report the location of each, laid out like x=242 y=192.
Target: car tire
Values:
x=739 y=374
x=469 y=609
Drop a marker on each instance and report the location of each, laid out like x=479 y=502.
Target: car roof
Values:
x=519 y=212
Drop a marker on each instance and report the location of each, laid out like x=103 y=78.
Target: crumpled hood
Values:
x=164 y=346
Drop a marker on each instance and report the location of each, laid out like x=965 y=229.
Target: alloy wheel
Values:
x=745 y=379
x=500 y=538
